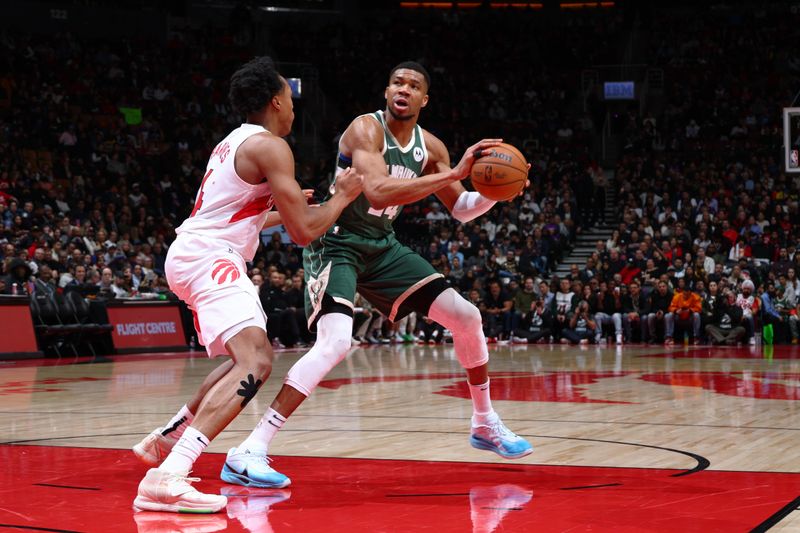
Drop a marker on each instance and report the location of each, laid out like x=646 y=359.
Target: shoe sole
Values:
x=481 y=444
x=146 y=504
x=229 y=476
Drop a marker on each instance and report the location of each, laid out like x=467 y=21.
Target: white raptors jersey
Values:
x=227 y=208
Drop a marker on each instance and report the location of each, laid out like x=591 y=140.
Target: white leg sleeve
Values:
x=464 y=320
x=333 y=344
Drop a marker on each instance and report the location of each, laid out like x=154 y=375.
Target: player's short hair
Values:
x=416 y=67
x=254 y=85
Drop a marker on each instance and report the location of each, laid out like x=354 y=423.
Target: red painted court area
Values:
x=91 y=490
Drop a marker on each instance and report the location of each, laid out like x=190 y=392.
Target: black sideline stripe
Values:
x=33 y=528
x=782 y=513
x=592 y=486
x=64 y=486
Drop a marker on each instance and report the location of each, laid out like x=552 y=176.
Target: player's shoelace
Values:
x=501 y=430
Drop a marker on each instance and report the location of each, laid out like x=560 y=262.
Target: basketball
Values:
x=501 y=175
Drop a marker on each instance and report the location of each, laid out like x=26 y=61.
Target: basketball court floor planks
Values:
x=637 y=438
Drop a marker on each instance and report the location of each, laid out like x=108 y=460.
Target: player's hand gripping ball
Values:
x=500 y=175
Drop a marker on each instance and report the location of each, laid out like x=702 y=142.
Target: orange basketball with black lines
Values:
x=500 y=175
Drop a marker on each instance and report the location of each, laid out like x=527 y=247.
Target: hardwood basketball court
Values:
x=638 y=438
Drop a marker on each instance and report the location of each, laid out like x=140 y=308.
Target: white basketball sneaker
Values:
x=154 y=448
x=173 y=493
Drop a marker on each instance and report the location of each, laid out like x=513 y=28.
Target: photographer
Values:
x=726 y=327
x=581 y=328
x=536 y=324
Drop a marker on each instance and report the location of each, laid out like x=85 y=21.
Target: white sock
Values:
x=259 y=439
x=178 y=424
x=185 y=452
x=481 y=403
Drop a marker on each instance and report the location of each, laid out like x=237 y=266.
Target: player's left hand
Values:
x=471 y=154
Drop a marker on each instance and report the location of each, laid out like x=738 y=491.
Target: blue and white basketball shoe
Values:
x=250 y=469
x=494 y=436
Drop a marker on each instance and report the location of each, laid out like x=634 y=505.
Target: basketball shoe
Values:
x=252 y=470
x=165 y=491
x=154 y=448
x=495 y=437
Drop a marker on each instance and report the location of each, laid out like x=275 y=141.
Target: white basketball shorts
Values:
x=212 y=279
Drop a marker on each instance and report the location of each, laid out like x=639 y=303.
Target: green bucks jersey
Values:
x=402 y=162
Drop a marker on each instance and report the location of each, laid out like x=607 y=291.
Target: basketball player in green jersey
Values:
x=401 y=163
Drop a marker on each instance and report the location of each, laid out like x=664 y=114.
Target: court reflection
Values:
x=251 y=507
x=149 y=522
x=489 y=505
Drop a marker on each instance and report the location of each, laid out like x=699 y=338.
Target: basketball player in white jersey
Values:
x=248 y=171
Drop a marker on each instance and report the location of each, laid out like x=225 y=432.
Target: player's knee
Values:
x=455 y=313
x=339 y=348
x=468 y=317
x=259 y=364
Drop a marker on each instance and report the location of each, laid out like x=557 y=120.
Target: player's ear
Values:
x=424 y=100
x=276 y=103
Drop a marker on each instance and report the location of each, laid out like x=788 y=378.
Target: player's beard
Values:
x=400 y=117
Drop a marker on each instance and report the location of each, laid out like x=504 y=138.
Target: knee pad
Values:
x=334 y=332
x=463 y=319
x=455 y=313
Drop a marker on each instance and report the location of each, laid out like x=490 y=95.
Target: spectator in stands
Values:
x=634 y=312
x=658 y=306
x=18 y=279
x=545 y=294
x=564 y=303
x=772 y=316
x=536 y=323
x=121 y=286
x=432 y=332
x=282 y=327
x=710 y=303
x=725 y=327
x=684 y=313
x=44 y=282
x=523 y=298
x=750 y=305
x=792 y=286
x=498 y=308
x=295 y=300
x=581 y=328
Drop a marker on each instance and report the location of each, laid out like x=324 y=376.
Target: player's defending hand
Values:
x=474 y=152
x=349 y=184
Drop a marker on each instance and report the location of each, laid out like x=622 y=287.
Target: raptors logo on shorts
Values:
x=224 y=270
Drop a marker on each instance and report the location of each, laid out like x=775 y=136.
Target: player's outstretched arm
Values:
x=304 y=223
x=274 y=217
x=364 y=140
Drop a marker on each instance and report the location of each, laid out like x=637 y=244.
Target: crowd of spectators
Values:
x=707 y=212
x=98 y=169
